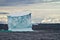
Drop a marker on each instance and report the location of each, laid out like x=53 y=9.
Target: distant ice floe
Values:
x=51 y=20
x=3 y=19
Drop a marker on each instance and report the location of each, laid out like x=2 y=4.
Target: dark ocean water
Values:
x=40 y=26
x=30 y=35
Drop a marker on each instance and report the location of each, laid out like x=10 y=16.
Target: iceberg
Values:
x=19 y=22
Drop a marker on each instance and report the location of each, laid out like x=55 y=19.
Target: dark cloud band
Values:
x=22 y=2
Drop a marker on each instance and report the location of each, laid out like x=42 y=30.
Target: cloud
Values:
x=15 y=2
x=2 y=1
x=22 y=2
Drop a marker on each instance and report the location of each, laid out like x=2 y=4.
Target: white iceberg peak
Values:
x=19 y=13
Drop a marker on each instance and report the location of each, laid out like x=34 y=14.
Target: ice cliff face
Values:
x=16 y=22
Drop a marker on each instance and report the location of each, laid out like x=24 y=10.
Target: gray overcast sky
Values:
x=22 y=2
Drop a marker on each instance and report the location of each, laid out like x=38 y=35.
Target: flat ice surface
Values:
x=19 y=14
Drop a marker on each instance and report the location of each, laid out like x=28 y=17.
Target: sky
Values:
x=38 y=8
x=23 y=2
